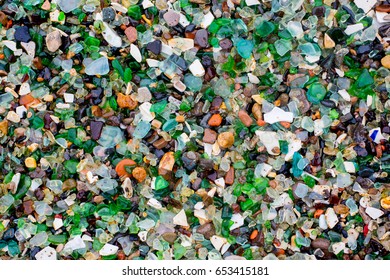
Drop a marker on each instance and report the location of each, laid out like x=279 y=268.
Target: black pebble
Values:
x=9 y=234
x=108 y=14
x=364 y=49
x=97 y=93
x=154 y=47
x=362 y=152
x=96 y=129
x=206 y=61
x=328 y=103
x=337 y=35
x=33 y=252
x=366 y=172
x=22 y=35
x=318 y=11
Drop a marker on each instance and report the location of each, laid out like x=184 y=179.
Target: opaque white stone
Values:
x=53 y=41
x=224 y=248
x=57 y=223
x=220 y=182
x=20 y=110
x=13 y=117
x=183 y=20
x=144 y=94
x=69 y=97
x=353 y=28
x=29 y=48
x=46 y=254
x=374 y=213
x=365 y=5
x=382 y=17
x=252 y=2
x=363 y=202
x=108 y=249
x=201 y=215
x=134 y=51
x=218 y=241
x=238 y=221
x=147 y=4
x=278 y=115
x=180 y=219
x=197 y=69
x=199 y=205
x=16 y=179
x=152 y=62
x=12 y=46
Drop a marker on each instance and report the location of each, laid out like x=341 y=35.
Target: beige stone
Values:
x=385 y=203
x=13 y=117
x=4 y=127
x=225 y=140
x=30 y=162
x=53 y=41
x=46 y=5
x=328 y=42
x=386 y=61
x=166 y=163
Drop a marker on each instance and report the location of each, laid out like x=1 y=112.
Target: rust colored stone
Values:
x=139 y=174
x=160 y=143
x=229 y=177
x=166 y=163
x=28 y=207
x=28 y=100
x=215 y=120
x=210 y=136
x=131 y=34
x=121 y=255
x=3 y=18
x=126 y=101
x=245 y=118
x=385 y=8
